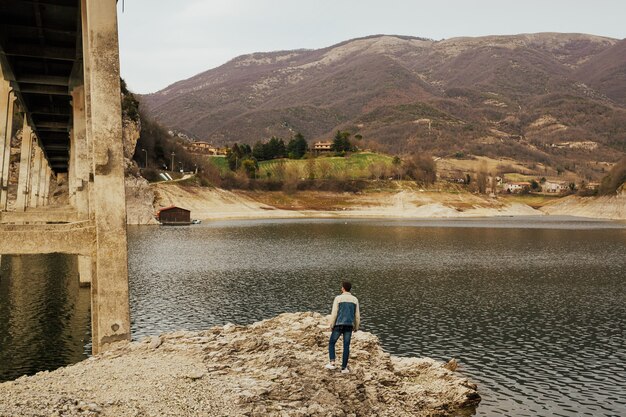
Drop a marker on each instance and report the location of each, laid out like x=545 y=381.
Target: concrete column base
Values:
x=85 y=270
x=35 y=175
x=23 y=196
x=6 y=127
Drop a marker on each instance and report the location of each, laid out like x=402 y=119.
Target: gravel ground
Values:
x=270 y=368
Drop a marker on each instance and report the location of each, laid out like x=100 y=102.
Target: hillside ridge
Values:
x=485 y=96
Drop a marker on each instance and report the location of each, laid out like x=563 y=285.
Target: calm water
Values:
x=534 y=309
x=44 y=315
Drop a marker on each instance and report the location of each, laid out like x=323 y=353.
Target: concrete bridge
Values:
x=59 y=70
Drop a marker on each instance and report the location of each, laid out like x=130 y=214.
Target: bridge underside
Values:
x=59 y=78
x=40 y=52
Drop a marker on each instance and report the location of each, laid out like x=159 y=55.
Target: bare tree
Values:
x=482 y=178
x=311 y=167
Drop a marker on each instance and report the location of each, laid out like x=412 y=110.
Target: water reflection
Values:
x=44 y=315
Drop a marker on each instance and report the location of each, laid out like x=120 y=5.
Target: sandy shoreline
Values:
x=209 y=204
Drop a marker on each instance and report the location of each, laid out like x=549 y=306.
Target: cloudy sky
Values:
x=163 y=41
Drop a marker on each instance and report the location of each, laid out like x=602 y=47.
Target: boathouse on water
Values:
x=173 y=215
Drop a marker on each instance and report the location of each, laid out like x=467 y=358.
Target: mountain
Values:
x=553 y=98
x=607 y=72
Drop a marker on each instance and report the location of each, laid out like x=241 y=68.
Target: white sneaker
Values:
x=330 y=366
x=345 y=371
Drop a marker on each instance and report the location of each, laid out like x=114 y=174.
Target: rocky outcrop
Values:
x=270 y=368
x=139 y=201
x=139 y=196
x=131 y=130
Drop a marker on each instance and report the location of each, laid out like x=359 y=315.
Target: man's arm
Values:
x=334 y=312
x=357 y=317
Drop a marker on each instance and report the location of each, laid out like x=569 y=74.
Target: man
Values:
x=344 y=319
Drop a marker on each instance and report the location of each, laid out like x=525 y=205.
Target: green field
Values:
x=519 y=177
x=355 y=166
x=220 y=162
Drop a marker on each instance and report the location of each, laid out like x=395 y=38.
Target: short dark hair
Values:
x=346 y=286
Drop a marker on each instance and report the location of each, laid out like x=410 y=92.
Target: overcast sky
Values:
x=164 y=41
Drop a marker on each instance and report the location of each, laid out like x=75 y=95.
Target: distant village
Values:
x=494 y=185
x=206 y=148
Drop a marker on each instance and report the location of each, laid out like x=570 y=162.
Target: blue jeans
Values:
x=346 y=331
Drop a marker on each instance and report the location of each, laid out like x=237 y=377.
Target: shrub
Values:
x=587 y=192
x=421 y=168
x=151 y=174
x=208 y=174
x=615 y=179
x=130 y=105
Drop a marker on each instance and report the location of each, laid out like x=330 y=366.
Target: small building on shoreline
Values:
x=174 y=216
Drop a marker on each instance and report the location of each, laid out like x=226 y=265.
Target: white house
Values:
x=322 y=146
x=554 y=186
x=516 y=187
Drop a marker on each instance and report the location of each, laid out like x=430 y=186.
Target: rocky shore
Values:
x=270 y=368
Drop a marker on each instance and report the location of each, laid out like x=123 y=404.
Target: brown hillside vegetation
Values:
x=487 y=96
x=607 y=72
x=615 y=180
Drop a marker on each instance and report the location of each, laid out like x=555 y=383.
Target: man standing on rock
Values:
x=344 y=319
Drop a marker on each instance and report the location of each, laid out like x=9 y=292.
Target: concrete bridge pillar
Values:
x=81 y=159
x=71 y=172
x=81 y=156
x=42 y=181
x=109 y=288
x=86 y=111
x=35 y=176
x=7 y=100
x=85 y=270
x=46 y=189
x=23 y=190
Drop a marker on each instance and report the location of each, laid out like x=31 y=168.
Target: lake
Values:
x=533 y=308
